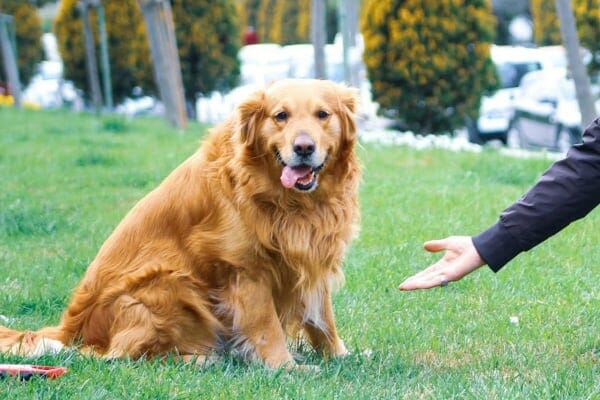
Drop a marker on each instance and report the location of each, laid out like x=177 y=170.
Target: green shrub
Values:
x=291 y=22
x=429 y=60
x=127 y=45
x=207 y=37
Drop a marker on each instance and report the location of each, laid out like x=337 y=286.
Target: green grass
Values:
x=68 y=179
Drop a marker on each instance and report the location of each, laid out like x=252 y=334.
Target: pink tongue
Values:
x=289 y=175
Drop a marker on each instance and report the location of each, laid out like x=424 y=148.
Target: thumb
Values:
x=434 y=246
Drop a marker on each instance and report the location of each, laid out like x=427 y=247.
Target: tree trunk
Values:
x=568 y=31
x=10 y=59
x=90 y=57
x=317 y=18
x=165 y=59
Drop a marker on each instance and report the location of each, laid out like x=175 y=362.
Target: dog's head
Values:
x=300 y=126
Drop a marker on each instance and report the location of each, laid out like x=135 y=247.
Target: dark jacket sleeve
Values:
x=567 y=191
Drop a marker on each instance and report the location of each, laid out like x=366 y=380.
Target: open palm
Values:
x=460 y=259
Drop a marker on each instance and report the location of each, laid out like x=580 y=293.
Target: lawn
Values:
x=67 y=180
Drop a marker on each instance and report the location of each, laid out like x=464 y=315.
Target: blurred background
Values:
x=497 y=71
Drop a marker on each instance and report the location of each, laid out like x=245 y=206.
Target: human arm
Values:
x=567 y=191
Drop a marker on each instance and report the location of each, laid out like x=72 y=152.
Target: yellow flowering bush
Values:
x=207 y=35
x=129 y=54
x=429 y=61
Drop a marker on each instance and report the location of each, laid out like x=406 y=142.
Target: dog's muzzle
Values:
x=302 y=176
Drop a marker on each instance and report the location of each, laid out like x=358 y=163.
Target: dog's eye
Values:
x=281 y=116
x=322 y=114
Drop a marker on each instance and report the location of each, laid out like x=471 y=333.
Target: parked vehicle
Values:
x=546 y=112
x=556 y=56
x=262 y=63
x=496 y=111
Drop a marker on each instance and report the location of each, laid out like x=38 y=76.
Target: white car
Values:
x=496 y=111
x=546 y=111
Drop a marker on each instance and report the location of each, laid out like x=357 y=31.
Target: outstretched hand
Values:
x=461 y=258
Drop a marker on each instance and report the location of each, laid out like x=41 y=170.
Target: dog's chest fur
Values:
x=297 y=252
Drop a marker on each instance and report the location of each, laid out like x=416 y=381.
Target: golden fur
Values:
x=240 y=246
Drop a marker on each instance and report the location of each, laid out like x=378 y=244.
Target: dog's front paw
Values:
x=280 y=361
x=340 y=349
x=337 y=349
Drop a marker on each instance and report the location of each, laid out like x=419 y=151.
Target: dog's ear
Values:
x=348 y=105
x=249 y=115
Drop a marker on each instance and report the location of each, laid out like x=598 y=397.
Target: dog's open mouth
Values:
x=303 y=177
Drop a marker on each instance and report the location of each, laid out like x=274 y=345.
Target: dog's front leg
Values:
x=255 y=320
x=323 y=335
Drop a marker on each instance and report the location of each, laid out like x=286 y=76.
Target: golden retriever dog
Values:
x=238 y=249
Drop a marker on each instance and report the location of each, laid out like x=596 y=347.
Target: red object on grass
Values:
x=26 y=371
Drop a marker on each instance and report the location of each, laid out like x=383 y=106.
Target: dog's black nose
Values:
x=304 y=145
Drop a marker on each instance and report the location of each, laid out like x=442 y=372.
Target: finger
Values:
x=425 y=279
x=427 y=282
x=435 y=245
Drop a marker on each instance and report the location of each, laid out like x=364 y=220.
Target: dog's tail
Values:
x=28 y=343
x=50 y=340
